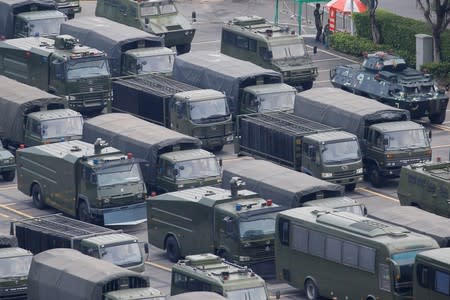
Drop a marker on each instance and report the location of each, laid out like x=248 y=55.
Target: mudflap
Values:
x=126 y=215
x=264 y=269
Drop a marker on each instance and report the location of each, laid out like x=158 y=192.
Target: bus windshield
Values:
x=45 y=27
x=405 y=261
x=406 y=139
x=197 y=168
x=15 y=266
x=208 y=109
x=257 y=226
x=87 y=68
x=119 y=174
x=124 y=255
x=340 y=152
x=257 y=293
x=65 y=127
x=155 y=64
x=276 y=101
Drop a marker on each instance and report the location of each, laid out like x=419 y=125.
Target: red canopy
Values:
x=345 y=6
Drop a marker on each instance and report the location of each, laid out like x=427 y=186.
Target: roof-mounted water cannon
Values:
x=99 y=145
x=65 y=42
x=236 y=184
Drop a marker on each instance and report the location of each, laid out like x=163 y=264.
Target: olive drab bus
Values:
x=345 y=256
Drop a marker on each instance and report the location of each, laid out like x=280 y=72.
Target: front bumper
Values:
x=346 y=180
x=178 y=37
x=86 y=102
x=7 y=168
x=214 y=142
x=124 y=215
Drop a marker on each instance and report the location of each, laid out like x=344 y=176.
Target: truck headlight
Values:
x=229 y=138
x=70 y=98
x=180 y=186
x=244 y=258
x=327 y=175
x=359 y=171
x=106 y=200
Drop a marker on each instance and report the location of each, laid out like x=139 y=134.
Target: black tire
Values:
x=438 y=118
x=36 y=194
x=350 y=187
x=83 y=212
x=172 y=249
x=9 y=175
x=181 y=49
x=311 y=290
x=375 y=177
x=307 y=85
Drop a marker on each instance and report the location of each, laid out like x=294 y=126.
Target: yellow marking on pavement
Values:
x=8 y=187
x=6 y=206
x=440 y=146
x=441 y=127
x=158 y=266
x=377 y=194
x=4 y=216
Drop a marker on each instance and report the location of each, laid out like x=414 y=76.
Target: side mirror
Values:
x=146 y=20
x=396 y=267
x=315 y=50
x=175 y=172
x=220 y=162
x=364 y=210
x=146 y=248
x=386 y=141
x=278 y=294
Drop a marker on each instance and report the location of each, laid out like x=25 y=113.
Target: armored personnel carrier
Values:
x=386 y=77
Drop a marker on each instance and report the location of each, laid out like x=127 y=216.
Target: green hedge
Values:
x=440 y=71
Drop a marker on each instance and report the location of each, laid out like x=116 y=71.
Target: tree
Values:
x=437 y=13
x=372 y=7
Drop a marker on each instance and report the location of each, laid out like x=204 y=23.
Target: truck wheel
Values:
x=36 y=193
x=9 y=175
x=311 y=290
x=181 y=49
x=375 y=177
x=438 y=118
x=83 y=213
x=307 y=85
x=172 y=249
x=350 y=187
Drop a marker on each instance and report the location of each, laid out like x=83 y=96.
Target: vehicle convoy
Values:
x=248 y=87
x=199 y=113
x=171 y=161
x=24 y=18
x=60 y=66
x=7 y=164
x=39 y=234
x=417 y=220
x=236 y=225
x=345 y=256
x=387 y=138
x=431 y=275
x=14 y=266
x=159 y=17
x=212 y=273
x=91 y=182
x=301 y=144
x=387 y=78
x=426 y=186
x=68 y=274
x=270 y=46
x=129 y=50
x=31 y=117
x=287 y=187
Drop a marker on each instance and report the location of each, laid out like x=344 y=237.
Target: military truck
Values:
x=388 y=139
x=270 y=46
x=14 y=266
x=248 y=87
x=387 y=78
x=30 y=117
x=212 y=273
x=7 y=164
x=200 y=113
x=171 y=161
x=301 y=144
x=91 y=182
x=68 y=274
x=159 y=17
x=42 y=233
x=59 y=66
x=235 y=224
x=426 y=186
x=24 y=18
x=287 y=187
x=129 y=50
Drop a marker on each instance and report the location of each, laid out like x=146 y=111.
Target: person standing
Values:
x=318 y=21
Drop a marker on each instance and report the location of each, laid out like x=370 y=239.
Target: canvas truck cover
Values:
x=17 y=100
x=340 y=109
x=9 y=8
x=418 y=220
x=284 y=186
x=70 y=275
x=131 y=134
x=109 y=36
x=210 y=70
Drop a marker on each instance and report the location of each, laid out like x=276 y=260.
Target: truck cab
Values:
x=267 y=97
x=148 y=60
x=38 y=23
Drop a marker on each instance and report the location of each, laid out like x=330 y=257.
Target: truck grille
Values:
x=347 y=173
x=123 y=200
x=209 y=132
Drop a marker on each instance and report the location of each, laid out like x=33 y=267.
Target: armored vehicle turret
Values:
x=387 y=78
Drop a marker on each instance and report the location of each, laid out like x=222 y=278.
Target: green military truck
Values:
x=426 y=186
x=7 y=164
x=203 y=114
x=24 y=18
x=301 y=144
x=30 y=117
x=91 y=182
x=14 y=266
x=68 y=274
x=159 y=17
x=212 y=273
x=236 y=225
x=39 y=234
x=171 y=160
x=270 y=46
x=130 y=50
x=60 y=66
x=248 y=87
x=388 y=139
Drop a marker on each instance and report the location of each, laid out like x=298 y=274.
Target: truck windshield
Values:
x=84 y=68
x=405 y=261
x=287 y=51
x=125 y=255
x=340 y=152
x=59 y=128
x=154 y=10
x=257 y=226
x=256 y=293
x=197 y=168
x=276 y=101
x=15 y=266
x=155 y=64
x=405 y=139
x=45 y=27
x=208 y=109
x=119 y=174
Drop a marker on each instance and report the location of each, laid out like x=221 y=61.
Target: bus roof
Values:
x=441 y=255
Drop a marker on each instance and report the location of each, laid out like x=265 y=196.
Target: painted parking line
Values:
x=17 y=212
x=158 y=266
x=8 y=187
